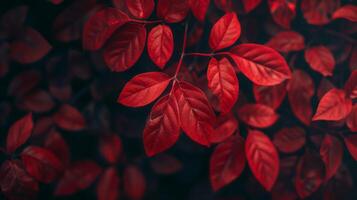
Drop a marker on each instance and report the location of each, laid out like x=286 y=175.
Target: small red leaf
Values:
x=223 y=82
x=143 y=89
x=333 y=106
x=108 y=185
x=58 y=146
x=125 y=47
x=199 y=8
x=348 y=12
x=258 y=115
x=141 y=9
x=351 y=120
x=351 y=144
x=289 y=140
x=69 y=118
x=162 y=129
x=23 y=83
x=227 y=162
x=261 y=64
x=111 y=148
x=134 y=182
x=287 y=41
x=263 y=159
x=320 y=59
x=101 y=25
x=37 y=101
x=331 y=152
x=250 y=5
x=318 y=12
x=172 y=11
x=225 y=32
x=165 y=164
x=225 y=126
x=160 y=45
x=351 y=85
x=19 y=133
x=283 y=11
x=271 y=96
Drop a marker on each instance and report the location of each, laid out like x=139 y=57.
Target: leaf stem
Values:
x=183 y=51
x=146 y=22
x=206 y=54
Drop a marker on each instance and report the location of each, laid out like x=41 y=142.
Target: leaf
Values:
x=283 y=11
x=111 y=148
x=101 y=25
x=19 y=133
x=287 y=41
x=223 y=82
x=58 y=146
x=13 y=20
x=224 y=5
x=331 y=152
x=143 y=89
x=162 y=129
x=125 y=47
x=301 y=89
x=134 y=182
x=348 y=12
x=260 y=64
x=320 y=59
x=263 y=159
x=318 y=12
x=250 y=5
x=141 y=9
x=165 y=164
x=227 y=162
x=289 y=140
x=225 y=32
x=69 y=118
x=29 y=47
x=172 y=11
x=351 y=144
x=41 y=163
x=351 y=120
x=108 y=185
x=225 y=126
x=160 y=45
x=195 y=112
x=271 y=96
x=257 y=115
x=333 y=106
x=37 y=101
x=351 y=85
x=199 y=8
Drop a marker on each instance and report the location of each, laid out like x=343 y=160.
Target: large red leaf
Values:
x=225 y=32
x=348 y=12
x=162 y=129
x=289 y=140
x=351 y=120
x=111 y=148
x=318 y=12
x=69 y=118
x=271 y=96
x=58 y=146
x=19 y=133
x=199 y=8
x=227 y=162
x=223 y=82
x=125 y=47
x=320 y=59
x=263 y=159
x=351 y=144
x=287 y=41
x=108 y=185
x=41 y=163
x=257 y=115
x=250 y=5
x=283 y=11
x=301 y=89
x=333 y=106
x=195 y=111
x=160 y=45
x=331 y=152
x=225 y=126
x=261 y=64
x=351 y=85
x=134 y=182
x=101 y=25
x=172 y=11
x=141 y=9
x=143 y=89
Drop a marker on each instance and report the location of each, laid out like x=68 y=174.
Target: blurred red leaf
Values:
x=199 y=8
x=287 y=41
x=108 y=185
x=348 y=12
x=134 y=182
x=13 y=20
x=111 y=148
x=225 y=126
x=283 y=11
x=19 y=133
x=351 y=85
x=58 y=146
x=289 y=140
x=320 y=59
x=69 y=118
x=318 y=12
x=23 y=83
x=37 y=101
x=331 y=152
x=352 y=119
x=271 y=96
x=172 y=11
x=141 y=9
x=250 y=5
x=165 y=164
x=257 y=115
x=351 y=144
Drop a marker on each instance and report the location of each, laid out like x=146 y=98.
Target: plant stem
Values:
x=146 y=22
x=183 y=51
x=200 y=54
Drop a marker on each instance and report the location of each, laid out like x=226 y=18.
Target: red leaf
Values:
x=301 y=89
x=225 y=32
x=77 y=177
x=351 y=144
x=224 y=5
x=324 y=86
x=24 y=83
x=69 y=118
x=125 y=47
x=352 y=119
x=348 y=12
x=134 y=182
x=250 y=5
x=143 y=89
x=162 y=129
x=225 y=126
x=261 y=64
x=289 y=140
x=287 y=41
x=172 y=11
x=199 y=8
x=37 y=101
x=351 y=85
x=331 y=152
x=320 y=59
x=318 y=12
x=108 y=185
x=257 y=115
x=333 y=106
x=223 y=82
x=160 y=45
x=43 y=125
x=58 y=146
x=195 y=111
x=263 y=159
x=111 y=148
x=271 y=96
x=100 y=26
x=41 y=163
x=19 y=133
x=165 y=164
x=141 y=9
x=29 y=47
x=13 y=20
x=227 y=162
x=283 y=11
